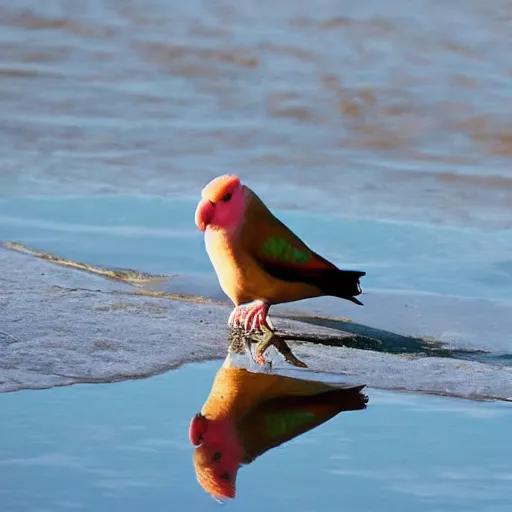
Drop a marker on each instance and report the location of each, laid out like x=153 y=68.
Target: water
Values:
x=125 y=230
x=399 y=111
x=125 y=445
x=390 y=124
x=380 y=134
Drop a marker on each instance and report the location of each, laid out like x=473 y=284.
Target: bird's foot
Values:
x=268 y=337
x=251 y=317
x=263 y=339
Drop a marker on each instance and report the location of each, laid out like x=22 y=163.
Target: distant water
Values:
x=366 y=109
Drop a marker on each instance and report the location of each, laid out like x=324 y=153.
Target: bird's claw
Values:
x=265 y=339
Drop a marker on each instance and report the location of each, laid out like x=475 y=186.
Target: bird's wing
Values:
x=281 y=419
x=277 y=249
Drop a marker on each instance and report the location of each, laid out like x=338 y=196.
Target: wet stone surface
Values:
x=62 y=326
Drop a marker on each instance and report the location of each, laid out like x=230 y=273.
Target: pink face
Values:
x=217 y=456
x=222 y=210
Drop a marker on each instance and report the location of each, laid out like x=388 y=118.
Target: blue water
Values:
x=125 y=446
x=158 y=235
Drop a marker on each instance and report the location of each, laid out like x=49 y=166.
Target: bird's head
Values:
x=217 y=456
x=222 y=203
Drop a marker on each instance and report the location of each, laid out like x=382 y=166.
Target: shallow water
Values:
x=125 y=445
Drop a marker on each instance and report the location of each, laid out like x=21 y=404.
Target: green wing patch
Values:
x=280 y=424
x=277 y=248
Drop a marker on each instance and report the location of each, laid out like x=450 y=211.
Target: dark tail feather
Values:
x=343 y=284
x=352 y=299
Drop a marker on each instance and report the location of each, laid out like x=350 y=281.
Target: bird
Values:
x=247 y=414
x=258 y=260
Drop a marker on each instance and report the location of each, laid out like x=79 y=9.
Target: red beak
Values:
x=204 y=213
x=197 y=428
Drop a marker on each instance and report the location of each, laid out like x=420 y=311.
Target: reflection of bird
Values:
x=247 y=414
x=258 y=259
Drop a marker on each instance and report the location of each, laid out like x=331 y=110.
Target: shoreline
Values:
x=107 y=330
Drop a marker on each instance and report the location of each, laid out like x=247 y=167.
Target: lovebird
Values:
x=258 y=260
x=247 y=414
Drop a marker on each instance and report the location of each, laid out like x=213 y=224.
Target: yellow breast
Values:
x=243 y=279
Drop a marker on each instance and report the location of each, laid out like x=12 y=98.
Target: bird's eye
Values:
x=225 y=476
x=227 y=197
x=217 y=456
